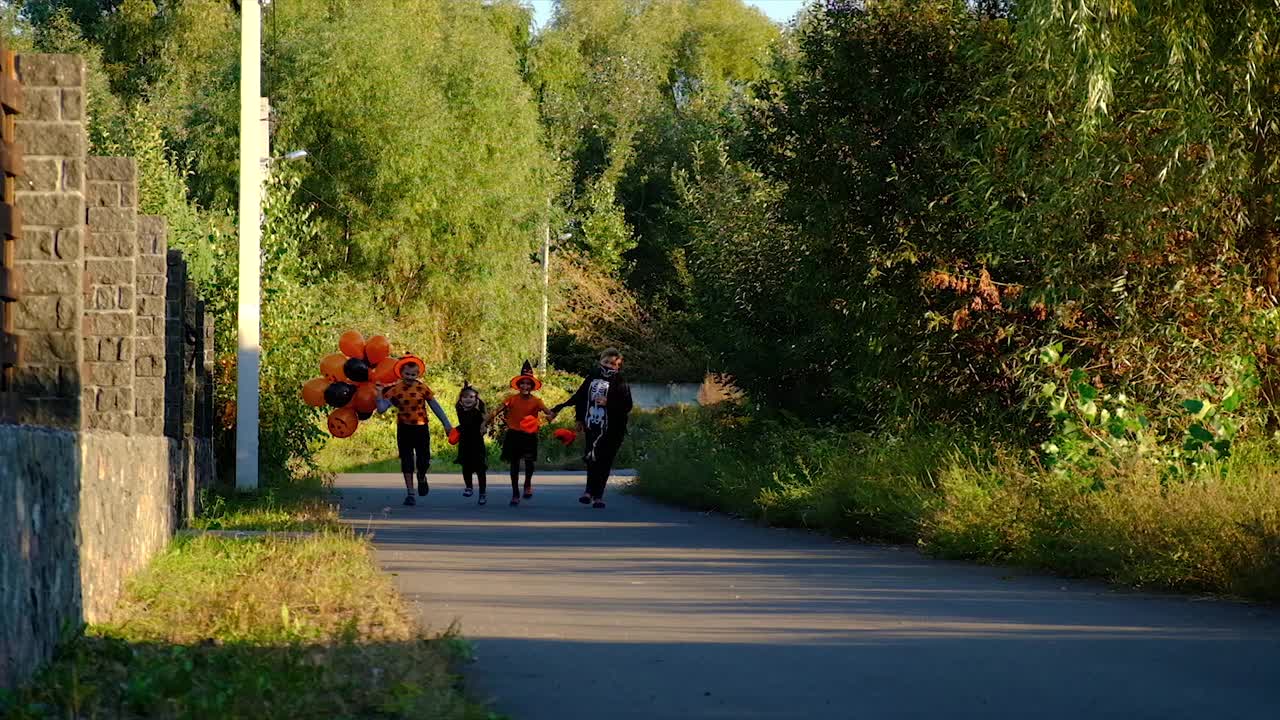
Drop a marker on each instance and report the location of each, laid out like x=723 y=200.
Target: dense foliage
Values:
x=1053 y=220
x=627 y=90
x=1040 y=217
x=415 y=213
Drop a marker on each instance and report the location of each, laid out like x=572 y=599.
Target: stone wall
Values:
x=126 y=516
x=39 y=558
x=93 y=480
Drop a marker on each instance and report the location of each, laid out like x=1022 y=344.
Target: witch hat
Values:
x=526 y=373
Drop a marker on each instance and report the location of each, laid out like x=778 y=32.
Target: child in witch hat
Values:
x=521 y=410
x=411 y=398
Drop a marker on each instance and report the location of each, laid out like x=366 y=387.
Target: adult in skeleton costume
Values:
x=601 y=405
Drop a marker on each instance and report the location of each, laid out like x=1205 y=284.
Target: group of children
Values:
x=521 y=412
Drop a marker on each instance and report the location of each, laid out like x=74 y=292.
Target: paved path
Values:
x=643 y=611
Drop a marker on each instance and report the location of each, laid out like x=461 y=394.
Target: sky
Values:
x=778 y=10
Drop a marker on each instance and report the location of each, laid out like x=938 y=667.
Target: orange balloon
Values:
x=351 y=344
x=331 y=367
x=529 y=424
x=366 y=398
x=377 y=349
x=343 y=422
x=313 y=391
x=385 y=372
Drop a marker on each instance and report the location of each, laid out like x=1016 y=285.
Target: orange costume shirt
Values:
x=410 y=400
x=520 y=407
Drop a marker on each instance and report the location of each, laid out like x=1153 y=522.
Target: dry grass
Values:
x=1217 y=531
x=261 y=628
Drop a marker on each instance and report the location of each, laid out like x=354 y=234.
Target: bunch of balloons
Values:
x=348 y=381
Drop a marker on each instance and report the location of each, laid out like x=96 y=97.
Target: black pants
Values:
x=601 y=450
x=515 y=474
x=414 y=442
x=479 y=473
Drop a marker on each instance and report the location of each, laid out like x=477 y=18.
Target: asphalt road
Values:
x=644 y=611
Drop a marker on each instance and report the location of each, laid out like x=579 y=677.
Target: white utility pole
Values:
x=249 y=352
x=546 y=290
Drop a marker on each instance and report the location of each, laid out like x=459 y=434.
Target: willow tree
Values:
x=1127 y=178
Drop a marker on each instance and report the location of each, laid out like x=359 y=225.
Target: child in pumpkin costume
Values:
x=521 y=411
x=412 y=397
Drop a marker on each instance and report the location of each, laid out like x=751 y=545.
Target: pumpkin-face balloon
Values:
x=377 y=349
x=365 y=399
x=313 y=391
x=343 y=422
x=339 y=394
x=351 y=344
x=331 y=367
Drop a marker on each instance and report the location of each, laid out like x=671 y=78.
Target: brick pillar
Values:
x=149 y=343
x=206 y=463
x=50 y=252
x=174 y=342
x=111 y=251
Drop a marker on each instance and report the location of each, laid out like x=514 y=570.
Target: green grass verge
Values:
x=1218 y=532
x=256 y=628
x=305 y=505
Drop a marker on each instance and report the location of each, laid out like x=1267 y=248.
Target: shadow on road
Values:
x=659 y=613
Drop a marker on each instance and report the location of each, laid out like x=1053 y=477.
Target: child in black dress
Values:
x=472 y=455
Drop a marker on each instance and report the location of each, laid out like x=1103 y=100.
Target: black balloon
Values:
x=339 y=394
x=364 y=416
x=356 y=370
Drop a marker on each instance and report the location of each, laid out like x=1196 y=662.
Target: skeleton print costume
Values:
x=605 y=422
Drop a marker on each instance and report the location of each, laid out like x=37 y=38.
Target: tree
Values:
x=812 y=228
x=627 y=89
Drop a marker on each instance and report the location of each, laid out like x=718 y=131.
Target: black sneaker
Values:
x=598 y=504
x=408 y=500
x=423 y=486
x=483 y=499
x=585 y=499
x=514 y=501
x=466 y=492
